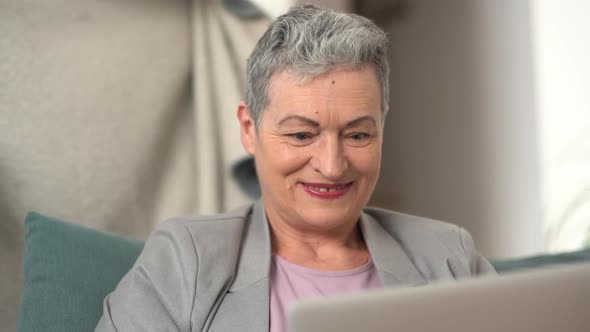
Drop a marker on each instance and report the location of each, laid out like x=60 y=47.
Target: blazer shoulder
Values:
x=402 y=225
x=218 y=223
x=199 y=236
x=186 y=261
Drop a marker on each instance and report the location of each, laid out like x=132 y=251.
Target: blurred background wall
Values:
x=117 y=115
x=490 y=127
x=462 y=133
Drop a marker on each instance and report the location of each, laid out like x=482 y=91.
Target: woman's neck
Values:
x=340 y=249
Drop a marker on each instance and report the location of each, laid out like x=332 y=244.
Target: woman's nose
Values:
x=329 y=159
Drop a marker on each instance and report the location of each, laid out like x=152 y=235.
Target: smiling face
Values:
x=317 y=148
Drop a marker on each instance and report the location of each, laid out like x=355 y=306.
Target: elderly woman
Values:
x=316 y=104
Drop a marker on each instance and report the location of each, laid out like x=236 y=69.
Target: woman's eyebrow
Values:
x=360 y=120
x=353 y=123
x=300 y=118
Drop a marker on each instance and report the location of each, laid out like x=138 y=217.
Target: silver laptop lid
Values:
x=549 y=300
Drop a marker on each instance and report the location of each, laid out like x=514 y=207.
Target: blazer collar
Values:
x=391 y=260
x=255 y=253
x=248 y=297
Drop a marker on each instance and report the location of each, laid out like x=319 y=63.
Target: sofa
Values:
x=69 y=269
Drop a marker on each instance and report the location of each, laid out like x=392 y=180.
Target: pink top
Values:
x=290 y=282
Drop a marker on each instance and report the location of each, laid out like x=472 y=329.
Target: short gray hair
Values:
x=309 y=41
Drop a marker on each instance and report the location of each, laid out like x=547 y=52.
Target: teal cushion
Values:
x=68 y=270
x=543 y=260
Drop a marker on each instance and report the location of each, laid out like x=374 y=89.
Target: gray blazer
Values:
x=212 y=273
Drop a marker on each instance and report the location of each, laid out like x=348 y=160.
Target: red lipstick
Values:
x=326 y=190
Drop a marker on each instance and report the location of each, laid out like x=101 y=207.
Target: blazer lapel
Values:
x=246 y=305
x=393 y=264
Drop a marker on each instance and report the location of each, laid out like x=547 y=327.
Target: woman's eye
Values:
x=301 y=136
x=359 y=139
x=359 y=136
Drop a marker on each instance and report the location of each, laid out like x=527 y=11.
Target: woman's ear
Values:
x=247 y=128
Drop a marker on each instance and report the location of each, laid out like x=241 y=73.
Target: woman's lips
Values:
x=326 y=190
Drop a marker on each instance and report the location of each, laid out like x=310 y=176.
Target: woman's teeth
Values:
x=325 y=190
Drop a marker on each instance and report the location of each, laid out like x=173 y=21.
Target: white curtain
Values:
x=116 y=115
x=222 y=43
x=119 y=114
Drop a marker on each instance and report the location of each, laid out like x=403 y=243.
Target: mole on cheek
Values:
x=333 y=82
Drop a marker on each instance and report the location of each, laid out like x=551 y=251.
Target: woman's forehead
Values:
x=364 y=76
x=345 y=93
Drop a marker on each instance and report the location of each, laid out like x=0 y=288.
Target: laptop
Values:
x=547 y=300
